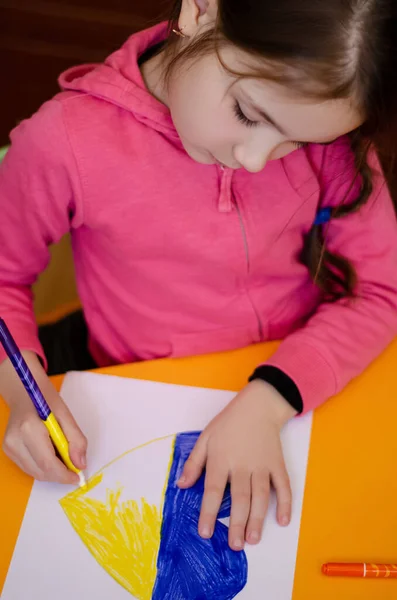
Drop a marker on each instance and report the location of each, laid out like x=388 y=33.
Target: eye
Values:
x=241 y=116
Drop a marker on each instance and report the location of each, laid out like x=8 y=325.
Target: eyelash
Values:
x=248 y=123
x=241 y=116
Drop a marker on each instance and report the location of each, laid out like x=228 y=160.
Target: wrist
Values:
x=282 y=383
x=11 y=387
x=277 y=407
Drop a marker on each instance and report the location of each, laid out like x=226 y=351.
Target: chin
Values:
x=203 y=160
x=200 y=156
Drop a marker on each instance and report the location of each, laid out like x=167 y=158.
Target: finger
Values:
x=25 y=462
x=282 y=486
x=195 y=464
x=42 y=451
x=240 y=487
x=214 y=489
x=260 y=489
x=74 y=435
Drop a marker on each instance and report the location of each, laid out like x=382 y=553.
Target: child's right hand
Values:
x=26 y=440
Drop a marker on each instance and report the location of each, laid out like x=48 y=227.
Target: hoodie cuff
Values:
x=303 y=363
x=282 y=383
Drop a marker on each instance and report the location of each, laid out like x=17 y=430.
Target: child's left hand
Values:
x=242 y=445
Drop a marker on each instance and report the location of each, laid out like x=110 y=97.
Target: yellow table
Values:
x=349 y=511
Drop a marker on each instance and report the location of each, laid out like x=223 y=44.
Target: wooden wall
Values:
x=41 y=38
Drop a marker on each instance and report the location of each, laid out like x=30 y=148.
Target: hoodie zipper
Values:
x=243 y=231
x=235 y=204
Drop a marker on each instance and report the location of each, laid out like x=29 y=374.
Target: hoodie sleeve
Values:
x=39 y=186
x=343 y=338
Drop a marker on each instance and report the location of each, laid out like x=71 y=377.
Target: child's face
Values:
x=219 y=120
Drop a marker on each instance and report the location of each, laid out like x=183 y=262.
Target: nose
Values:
x=254 y=153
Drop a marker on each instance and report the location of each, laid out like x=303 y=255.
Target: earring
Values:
x=179 y=32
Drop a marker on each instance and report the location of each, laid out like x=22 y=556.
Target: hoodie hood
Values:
x=119 y=81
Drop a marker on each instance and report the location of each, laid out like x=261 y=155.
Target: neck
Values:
x=152 y=71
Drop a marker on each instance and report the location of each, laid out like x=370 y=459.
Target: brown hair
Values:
x=326 y=49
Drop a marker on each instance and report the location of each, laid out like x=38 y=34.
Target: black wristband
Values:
x=282 y=383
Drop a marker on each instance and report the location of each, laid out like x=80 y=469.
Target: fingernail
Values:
x=253 y=537
x=284 y=521
x=83 y=461
x=205 y=531
x=238 y=543
x=182 y=480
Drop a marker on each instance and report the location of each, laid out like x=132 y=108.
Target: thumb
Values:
x=74 y=435
x=195 y=464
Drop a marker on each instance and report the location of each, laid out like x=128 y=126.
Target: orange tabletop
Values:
x=349 y=511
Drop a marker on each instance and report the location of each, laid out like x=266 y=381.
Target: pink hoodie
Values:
x=175 y=258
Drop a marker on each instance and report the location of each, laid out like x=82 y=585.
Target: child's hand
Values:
x=242 y=445
x=27 y=441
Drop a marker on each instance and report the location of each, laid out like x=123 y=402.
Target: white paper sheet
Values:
x=51 y=562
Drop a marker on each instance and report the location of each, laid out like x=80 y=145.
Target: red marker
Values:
x=368 y=570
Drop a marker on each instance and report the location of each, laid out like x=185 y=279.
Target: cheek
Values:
x=188 y=112
x=199 y=110
x=199 y=121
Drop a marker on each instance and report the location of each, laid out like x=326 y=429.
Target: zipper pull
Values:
x=225 y=203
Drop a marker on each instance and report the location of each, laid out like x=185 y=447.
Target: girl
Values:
x=214 y=201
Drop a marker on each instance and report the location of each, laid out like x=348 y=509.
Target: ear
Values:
x=196 y=14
